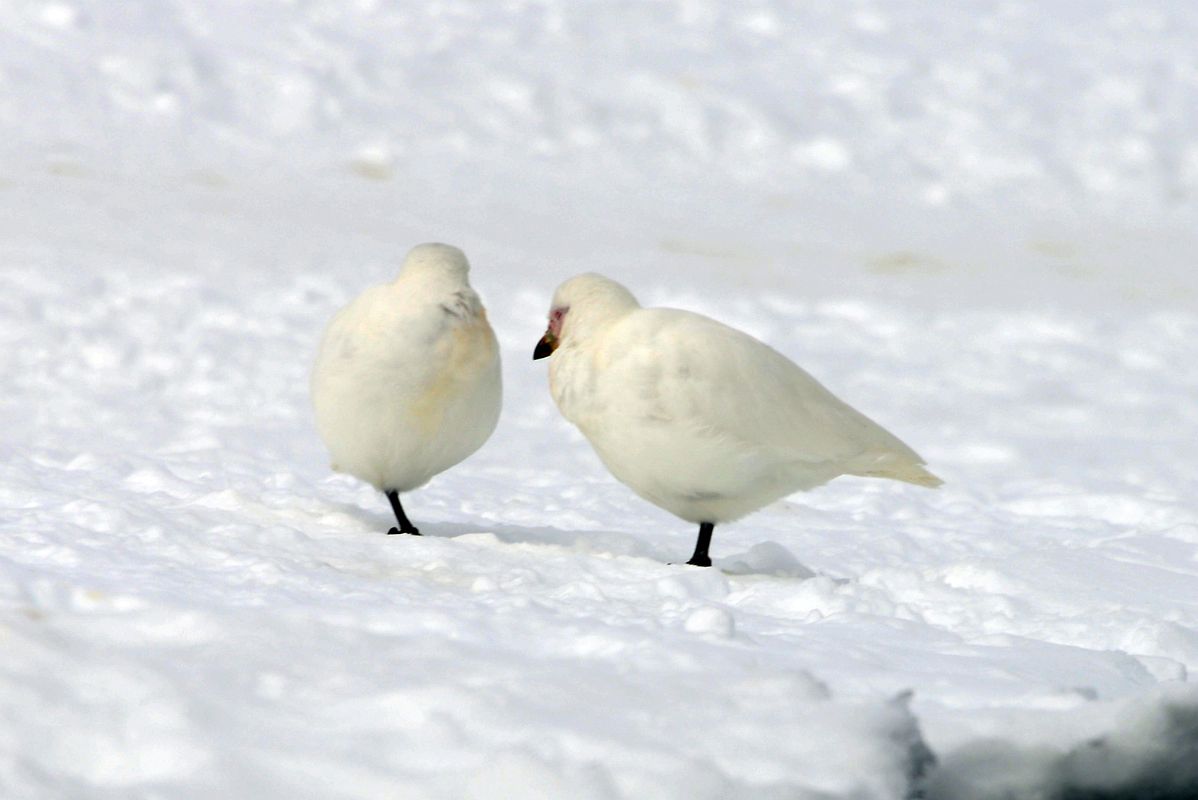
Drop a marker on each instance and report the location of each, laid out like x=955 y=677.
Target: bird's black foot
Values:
x=700 y=558
x=405 y=524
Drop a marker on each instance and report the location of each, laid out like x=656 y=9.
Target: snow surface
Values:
x=975 y=222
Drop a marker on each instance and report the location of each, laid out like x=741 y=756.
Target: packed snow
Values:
x=976 y=223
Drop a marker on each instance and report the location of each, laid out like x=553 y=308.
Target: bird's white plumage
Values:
x=699 y=418
x=407 y=380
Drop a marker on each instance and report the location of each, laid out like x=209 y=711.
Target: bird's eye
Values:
x=557 y=313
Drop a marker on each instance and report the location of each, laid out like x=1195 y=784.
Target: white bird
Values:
x=699 y=418
x=407 y=382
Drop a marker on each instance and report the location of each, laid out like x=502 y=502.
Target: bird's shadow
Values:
x=591 y=542
x=768 y=558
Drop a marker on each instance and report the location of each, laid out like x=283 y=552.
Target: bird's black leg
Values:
x=405 y=524
x=700 y=558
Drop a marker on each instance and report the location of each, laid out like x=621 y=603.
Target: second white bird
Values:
x=699 y=418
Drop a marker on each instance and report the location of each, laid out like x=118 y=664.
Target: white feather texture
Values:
x=407 y=381
x=699 y=418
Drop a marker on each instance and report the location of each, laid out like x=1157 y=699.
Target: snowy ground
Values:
x=976 y=223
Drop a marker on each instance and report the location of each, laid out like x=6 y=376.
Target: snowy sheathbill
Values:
x=407 y=382
x=699 y=418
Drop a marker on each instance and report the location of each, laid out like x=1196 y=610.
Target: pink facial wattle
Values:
x=555 y=321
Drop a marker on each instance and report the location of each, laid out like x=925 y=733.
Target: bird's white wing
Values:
x=390 y=330
x=689 y=371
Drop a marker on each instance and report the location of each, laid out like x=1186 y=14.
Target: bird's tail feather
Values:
x=920 y=477
x=906 y=471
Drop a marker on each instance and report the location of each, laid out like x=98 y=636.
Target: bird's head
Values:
x=438 y=261
x=581 y=305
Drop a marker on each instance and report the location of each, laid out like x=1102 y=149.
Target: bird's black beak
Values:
x=545 y=347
